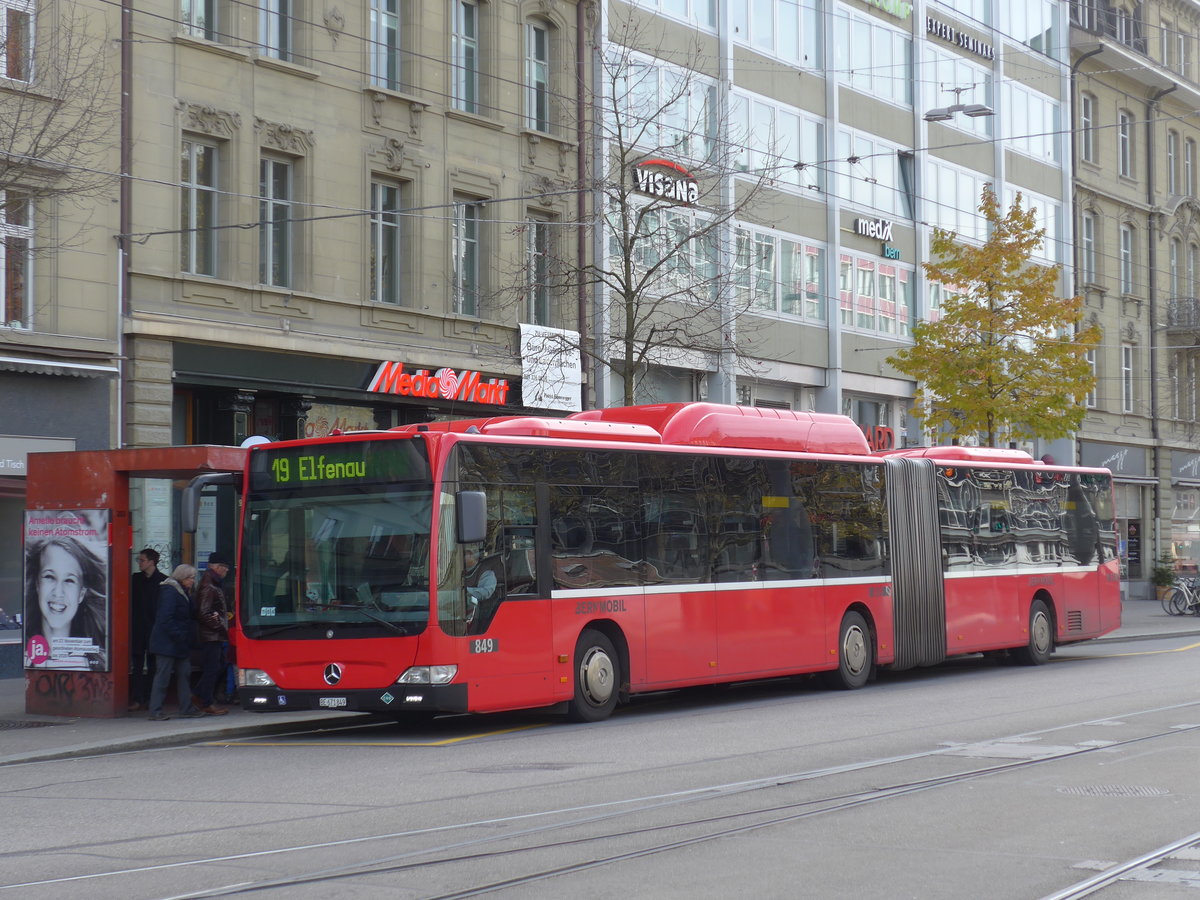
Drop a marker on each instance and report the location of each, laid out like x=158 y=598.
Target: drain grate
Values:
x=1114 y=790
x=26 y=723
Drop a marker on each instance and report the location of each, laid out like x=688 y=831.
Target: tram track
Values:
x=670 y=834
x=1131 y=869
x=771 y=817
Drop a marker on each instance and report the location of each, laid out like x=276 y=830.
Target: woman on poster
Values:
x=65 y=627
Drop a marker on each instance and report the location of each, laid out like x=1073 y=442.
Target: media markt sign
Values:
x=444 y=384
x=666 y=180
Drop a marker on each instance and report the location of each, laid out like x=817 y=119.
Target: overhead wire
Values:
x=426 y=211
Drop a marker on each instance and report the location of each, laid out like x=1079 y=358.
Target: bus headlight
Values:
x=428 y=675
x=254 y=678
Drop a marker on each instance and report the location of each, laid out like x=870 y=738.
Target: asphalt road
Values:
x=968 y=780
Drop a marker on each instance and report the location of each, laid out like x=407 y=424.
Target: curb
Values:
x=181 y=738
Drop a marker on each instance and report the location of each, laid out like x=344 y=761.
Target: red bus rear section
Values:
x=523 y=562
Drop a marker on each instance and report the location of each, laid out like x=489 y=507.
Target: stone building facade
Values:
x=1137 y=264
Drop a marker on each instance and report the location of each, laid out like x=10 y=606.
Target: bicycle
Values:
x=1182 y=598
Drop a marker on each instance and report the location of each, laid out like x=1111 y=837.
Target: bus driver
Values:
x=479 y=580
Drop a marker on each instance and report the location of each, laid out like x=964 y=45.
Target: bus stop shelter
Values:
x=80 y=501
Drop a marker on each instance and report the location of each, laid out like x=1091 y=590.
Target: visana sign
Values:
x=666 y=180
x=444 y=384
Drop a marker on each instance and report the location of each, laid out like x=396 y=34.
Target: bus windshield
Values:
x=349 y=556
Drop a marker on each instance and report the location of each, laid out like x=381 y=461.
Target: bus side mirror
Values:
x=471 y=509
x=189 y=514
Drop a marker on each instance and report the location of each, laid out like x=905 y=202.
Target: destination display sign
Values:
x=339 y=464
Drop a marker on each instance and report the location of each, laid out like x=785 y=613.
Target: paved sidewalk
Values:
x=29 y=738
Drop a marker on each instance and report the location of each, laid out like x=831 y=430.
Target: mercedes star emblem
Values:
x=333 y=673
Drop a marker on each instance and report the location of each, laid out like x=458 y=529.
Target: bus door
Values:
x=681 y=615
x=973 y=602
x=491 y=600
x=508 y=623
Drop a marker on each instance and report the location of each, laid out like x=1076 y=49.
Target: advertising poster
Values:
x=552 y=370
x=66 y=589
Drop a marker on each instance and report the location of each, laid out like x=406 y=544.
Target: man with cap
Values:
x=213 y=630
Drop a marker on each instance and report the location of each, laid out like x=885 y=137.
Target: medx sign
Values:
x=875 y=228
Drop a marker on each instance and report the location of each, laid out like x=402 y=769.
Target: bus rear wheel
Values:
x=597 y=678
x=1041 y=637
x=855 y=654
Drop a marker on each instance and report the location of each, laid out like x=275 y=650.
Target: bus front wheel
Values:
x=1041 y=637
x=855 y=654
x=597 y=678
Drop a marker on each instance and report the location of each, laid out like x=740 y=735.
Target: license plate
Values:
x=331 y=702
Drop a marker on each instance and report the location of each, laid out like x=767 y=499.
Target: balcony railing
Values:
x=1183 y=313
x=1103 y=18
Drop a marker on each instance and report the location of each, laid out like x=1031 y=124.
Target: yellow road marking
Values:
x=445 y=742
x=1133 y=653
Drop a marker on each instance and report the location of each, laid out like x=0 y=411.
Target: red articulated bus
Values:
x=521 y=562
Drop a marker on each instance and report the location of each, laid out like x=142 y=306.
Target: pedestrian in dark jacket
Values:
x=213 y=628
x=143 y=606
x=171 y=642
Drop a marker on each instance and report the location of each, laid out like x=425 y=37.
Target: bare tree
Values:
x=58 y=107
x=671 y=168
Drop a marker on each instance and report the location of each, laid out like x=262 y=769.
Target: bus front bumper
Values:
x=396 y=699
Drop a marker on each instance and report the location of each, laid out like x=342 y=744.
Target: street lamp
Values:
x=945 y=113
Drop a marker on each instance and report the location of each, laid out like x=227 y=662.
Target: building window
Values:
x=275 y=222
x=1173 y=162
x=1125 y=144
x=385 y=242
x=1193 y=262
x=198 y=208
x=1087 y=248
x=1126 y=259
x=16 y=245
x=663 y=106
x=537 y=270
x=1036 y=24
x=1177 y=371
x=784 y=29
x=18 y=39
x=1166 y=43
x=1087 y=127
x=952 y=199
x=385 y=43
x=465 y=52
x=200 y=18
x=872 y=57
x=468 y=216
x=1175 y=251
x=1091 y=401
x=1124 y=26
x=1034 y=121
x=537 y=77
x=1087 y=13
x=275 y=28
x=868 y=174
x=1193 y=391
x=1127 y=378
x=1189 y=167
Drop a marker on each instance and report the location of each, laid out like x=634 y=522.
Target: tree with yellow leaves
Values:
x=1007 y=358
